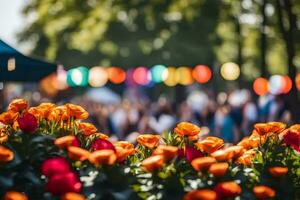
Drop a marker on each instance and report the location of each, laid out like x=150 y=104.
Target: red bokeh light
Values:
x=202 y=73
x=141 y=76
x=287 y=84
x=261 y=86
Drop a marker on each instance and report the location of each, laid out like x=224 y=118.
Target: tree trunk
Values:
x=287 y=33
x=263 y=42
x=239 y=47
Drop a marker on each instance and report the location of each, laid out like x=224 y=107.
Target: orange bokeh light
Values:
x=287 y=84
x=298 y=81
x=202 y=73
x=184 y=76
x=261 y=86
x=116 y=75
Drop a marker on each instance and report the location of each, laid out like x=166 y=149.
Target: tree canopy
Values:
x=171 y=32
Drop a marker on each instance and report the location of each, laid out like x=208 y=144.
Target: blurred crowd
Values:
x=230 y=116
x=227 y=115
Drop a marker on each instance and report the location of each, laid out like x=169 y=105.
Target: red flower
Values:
x=60 y=184
x=191 y=153
x=54 y=166
x=292 y=138
x=180 y=154
x=76 y=142
x=28 y=123
x=101 y=144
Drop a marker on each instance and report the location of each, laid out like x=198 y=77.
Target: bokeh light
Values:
x=141 y=76
x=98 y=77
x=116 y=75
x=230 y=71
x=61 y=78
x=202 y=73
x=261 y=86
x=184 y=76
x=171 y=78
x=287 y=86
x=297 y=80
x=159 y=73
x=276 y=83
x=78 y=76
x=129 y=78
x=49 y=85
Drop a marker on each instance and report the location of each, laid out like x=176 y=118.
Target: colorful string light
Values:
x=98 y=77
x=116 y=75
x=171 y=76
x=261 y=86
x=230 y=71
x=202 y=73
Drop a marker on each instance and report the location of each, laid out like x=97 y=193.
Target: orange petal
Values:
x=77 y=153
x=103 y=157
x=153 y=163
x=203 y=163
x=13 y=195
x=6 y=154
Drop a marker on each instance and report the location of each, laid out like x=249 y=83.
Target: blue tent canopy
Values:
x=14 y=66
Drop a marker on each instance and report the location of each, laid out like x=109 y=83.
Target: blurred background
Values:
x=143 y=65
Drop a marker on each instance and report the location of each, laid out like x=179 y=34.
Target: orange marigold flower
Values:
x=101 y=136
x=193 y=138
x=221 y=155
x=296 y=127
x=72 y=196
x=148 y=140
x=3 y=135
x=46 y=108
x=13 y=195
x=122 y=153
x=103 y=157
x=3 y=138
x=43 y=110
x=203 y=194
x=18 y=105
x=77 y=111
x=8 y=118
x=278 y=171
x=6 y=154
x=255 y=140
x=203 y=163
x=64 y=141
x=77 y=153
x=87 y=128
x=227 y=189
x=246 y=158
x=245 y=143
x=125 y=145
x=58 y=113
x=210 y=144
x=270 y=127
x=153 y=163
x=169 y=152
x=35 y=111
x=263 y=192
x=234 y=151
x=187 y=129
x=218 y=169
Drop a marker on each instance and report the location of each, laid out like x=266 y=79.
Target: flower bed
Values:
x=48 y=152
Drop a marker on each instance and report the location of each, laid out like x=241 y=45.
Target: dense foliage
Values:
x=179 y=32
x=48 y=152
